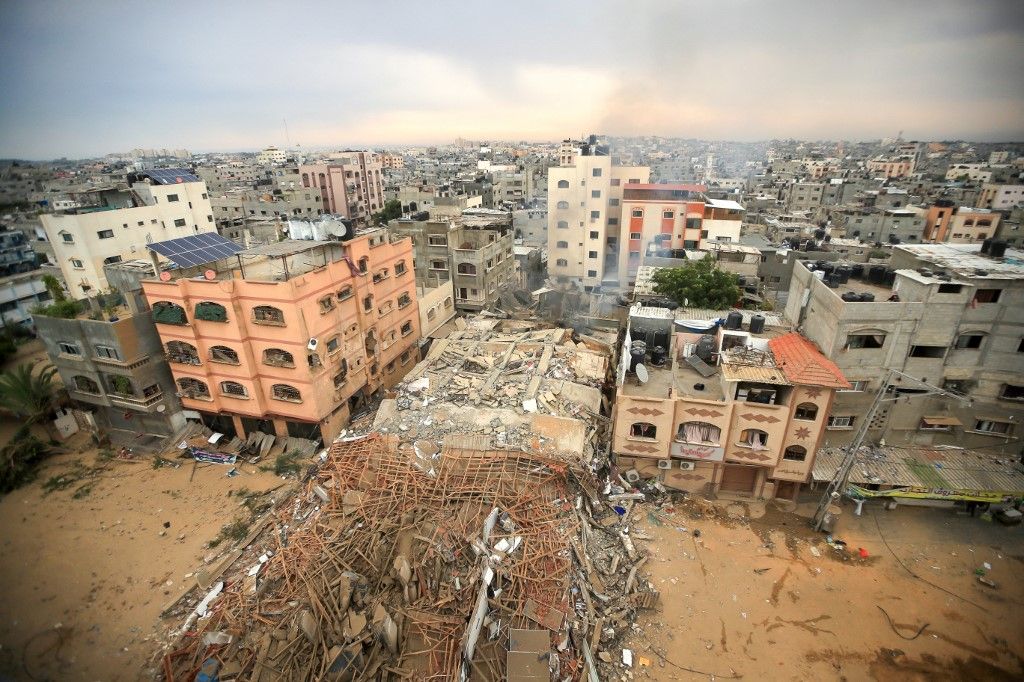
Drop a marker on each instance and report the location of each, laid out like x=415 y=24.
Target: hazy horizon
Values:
x=85 y=79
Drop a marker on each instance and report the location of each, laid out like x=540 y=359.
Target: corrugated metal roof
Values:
x=946 y=468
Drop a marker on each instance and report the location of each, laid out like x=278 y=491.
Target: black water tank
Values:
x=857 y=271
x=867 y=297
x=734 y=320
x=844 y=274
x=832 y=281
x=658 y=355
x=850 y=297
x=986 y=246
x=876 y=273
x=757 y=324
x=889 y=277
x=998 y=249
x=637 y=352
x=706 y=347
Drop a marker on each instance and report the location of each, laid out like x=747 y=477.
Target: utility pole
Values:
x=837 y=486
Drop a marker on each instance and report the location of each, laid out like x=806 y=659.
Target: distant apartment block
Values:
x=900 y=167
x=350 y=185
x=1001 y=197
x=585 y=231
x=667 y=218
x=292 y=337
x=115 y=223
x=272 y=156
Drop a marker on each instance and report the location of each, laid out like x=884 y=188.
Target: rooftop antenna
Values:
x=287 y=137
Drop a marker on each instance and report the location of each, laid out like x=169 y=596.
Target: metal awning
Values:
x=942 y=421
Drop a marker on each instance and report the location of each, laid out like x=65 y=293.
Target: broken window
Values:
x=754 y=438
x=326 y=304
x=223 y=354
x=862 y=340
x=211 y=312
x=86 y=385
x=265 y=314
x=285 y=392
x=165 y=312
x=182 y=353
x=276 y=357
x=193 y=388
x=643 y=430
x=233 y=388
x=795 y=453
x=806 y=412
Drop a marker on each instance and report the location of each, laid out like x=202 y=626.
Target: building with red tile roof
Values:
x=802 y=363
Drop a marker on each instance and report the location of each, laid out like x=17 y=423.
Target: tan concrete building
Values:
x=291 y=337
x=585 y=232
x=738 y=408
x=114 y=224
x=947 y=314
x=899 y=167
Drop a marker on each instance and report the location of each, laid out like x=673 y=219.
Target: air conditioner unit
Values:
x=687 y=466
x=312 y=344
x=664 y=464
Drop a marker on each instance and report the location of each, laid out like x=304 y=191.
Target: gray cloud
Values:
x=87 y=78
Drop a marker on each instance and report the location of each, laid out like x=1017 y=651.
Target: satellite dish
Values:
x=165 y=277
x=312 y=344
x=642 y=375
x=210 y=274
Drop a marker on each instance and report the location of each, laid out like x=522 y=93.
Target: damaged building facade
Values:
x=713 y=402
x=473 y=252
x=290 y=337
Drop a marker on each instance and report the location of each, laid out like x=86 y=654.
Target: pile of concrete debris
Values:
x=490 y=565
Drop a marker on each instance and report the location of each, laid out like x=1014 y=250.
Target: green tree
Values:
x=53 y=285
x=392 y=209
x=29 y=395
x=699 y=284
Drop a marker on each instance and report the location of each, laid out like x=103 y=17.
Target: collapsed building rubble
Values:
x=464 y=546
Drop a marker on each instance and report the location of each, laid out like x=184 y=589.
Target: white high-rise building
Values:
x=114 y=224
x=585 y=216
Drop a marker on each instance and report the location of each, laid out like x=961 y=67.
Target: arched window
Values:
x=467 y=269
x=165 y=312
x=562 y=204
x=193 y=388
x=211 y=312
x=795 y=453
x=86 y=385
x=643 y=430
x=305 y=179
x=806 y=412
x=563 y=184
x=754 y=438
x=561 y=262
x=285 y=392
x=562 y=245
x=265 y=314
x=563 y=225
x=344 y=293
x=182 y=353
x=699 y=432
x=277 y=357
x=865 y=338
x=223 y=354
x=327 y=304
x=233 y=388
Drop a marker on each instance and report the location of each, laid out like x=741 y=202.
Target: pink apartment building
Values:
x=351 y=185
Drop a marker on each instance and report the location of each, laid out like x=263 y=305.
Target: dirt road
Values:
x=102 y=564
x=766 y=598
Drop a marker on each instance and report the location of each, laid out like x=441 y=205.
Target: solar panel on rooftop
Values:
x=171 y=176
x=194 y=250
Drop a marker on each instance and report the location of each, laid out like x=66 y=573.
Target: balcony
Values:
x=135 y=402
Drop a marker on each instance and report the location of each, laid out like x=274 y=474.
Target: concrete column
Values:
x=281 y=428
x=239 y=429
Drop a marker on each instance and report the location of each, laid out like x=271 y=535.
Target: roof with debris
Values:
x=802 y=362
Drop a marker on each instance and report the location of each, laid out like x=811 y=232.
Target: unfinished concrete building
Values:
x=474 y=253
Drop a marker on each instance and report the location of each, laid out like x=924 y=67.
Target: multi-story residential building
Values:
x=437 y=307
x=947 y=314
x=974 y=172
x=350 y=184
x=392 y=161
x=115 y=224
x=111 y=360
x=16 y=253
x=670 y=218
x=289 y=337
x=947 y=222
x=898 y=167
x=272 y=156
x=473 y=252
x=897 y=225
x=804 y=196
x=585 y=213
x=1000 y=197
x=738 y=408
x=19 y=295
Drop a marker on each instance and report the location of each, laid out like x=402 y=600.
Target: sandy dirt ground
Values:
x=102 y=565
x=750 y=597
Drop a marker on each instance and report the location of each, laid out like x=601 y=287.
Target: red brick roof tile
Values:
x=802 y=362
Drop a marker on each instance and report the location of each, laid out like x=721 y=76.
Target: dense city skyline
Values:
x=82 y=80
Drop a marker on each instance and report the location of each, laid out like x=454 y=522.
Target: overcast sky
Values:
x=89 y=77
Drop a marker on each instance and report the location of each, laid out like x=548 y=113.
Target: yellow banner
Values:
x=934 y=494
